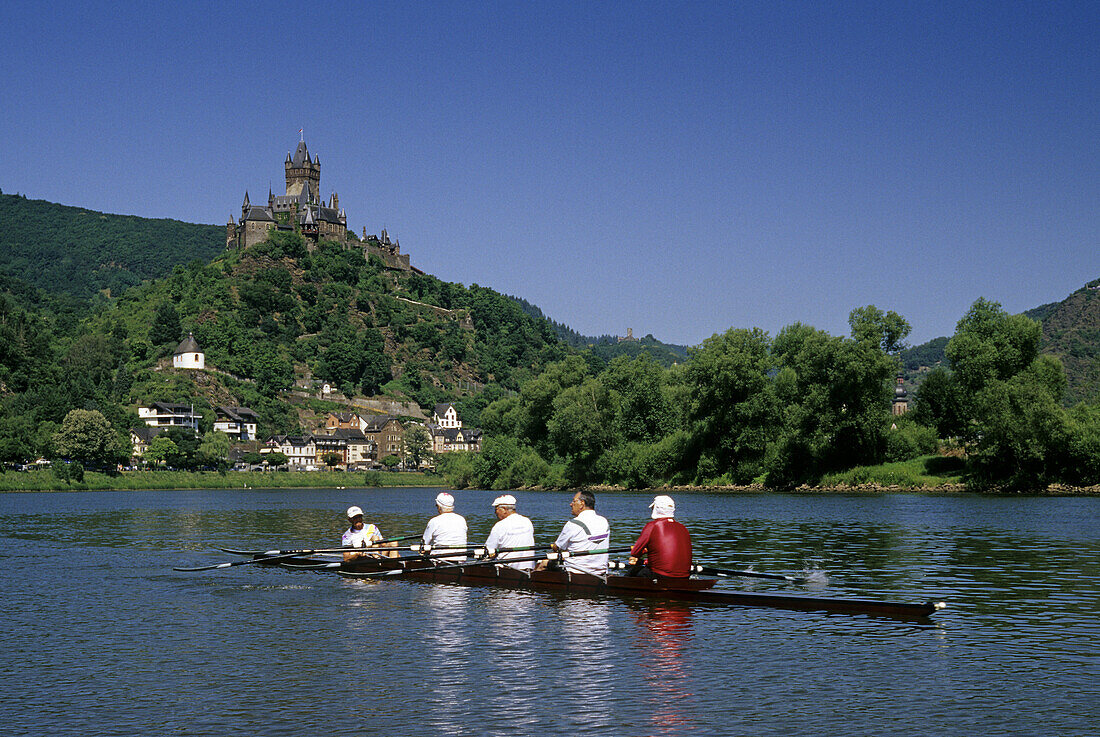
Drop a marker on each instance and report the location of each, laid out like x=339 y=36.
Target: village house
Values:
x=447 y=433
x=386 y=432
x=141 y=437
x=188 y=355
x=169 y=414
x=300 y=450
x=342 y=421
x=239 y=423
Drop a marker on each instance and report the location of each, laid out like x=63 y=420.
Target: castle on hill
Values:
x=302 y=210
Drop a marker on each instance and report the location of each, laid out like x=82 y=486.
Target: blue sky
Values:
x=675 y=168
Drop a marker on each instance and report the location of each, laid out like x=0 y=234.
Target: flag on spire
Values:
x=301 y=134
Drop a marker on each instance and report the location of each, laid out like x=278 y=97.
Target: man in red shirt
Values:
x=664 y=542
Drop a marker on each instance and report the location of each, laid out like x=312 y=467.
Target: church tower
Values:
x=301 y=170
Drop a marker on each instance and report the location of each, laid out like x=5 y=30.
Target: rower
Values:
x=513 y=530
x=586 y=531
x=446 y=529
x=665 y=543
x=359 y=535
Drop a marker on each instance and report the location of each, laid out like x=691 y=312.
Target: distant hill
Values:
x=608 y=347
x=1071 y=331
x=80 y=252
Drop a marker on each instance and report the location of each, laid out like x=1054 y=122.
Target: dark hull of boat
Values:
x=698 y=590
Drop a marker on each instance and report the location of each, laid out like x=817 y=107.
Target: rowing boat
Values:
x=696 y=590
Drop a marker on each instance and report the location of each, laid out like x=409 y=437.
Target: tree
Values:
x=331 y=459
x=275 y=459
x=273 y=373
x=86 y=436
x=834 y=393
x=418 y=445
x=580 y=427
x=166 y=325
x=886 y=330
x=160 y=449
x=733 y=413
x=989 y=344
x=941 y=404
x=391 y=461
x=215 y=446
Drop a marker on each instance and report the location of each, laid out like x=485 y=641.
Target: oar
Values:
x=311 y=551
x=727 y=573
x=258 y=559
x=448 y=552
x=488 y=562
x=426 y=549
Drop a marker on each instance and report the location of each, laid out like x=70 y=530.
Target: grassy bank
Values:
x=926 y=472
x=45 y=480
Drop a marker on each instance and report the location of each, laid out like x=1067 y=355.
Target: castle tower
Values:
x=301 y=170
x=900 y=405
x=230 y=233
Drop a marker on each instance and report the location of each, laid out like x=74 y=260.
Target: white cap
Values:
x=445 y=500
x=354 y=512
x=506 y=500
x=663 y=506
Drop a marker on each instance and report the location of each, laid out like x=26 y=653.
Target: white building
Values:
x=169 y=414
x=188 y=355
x=238 y=423
x=446 y=416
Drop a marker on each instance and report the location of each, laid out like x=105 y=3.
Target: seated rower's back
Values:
x=665 y=543
x=446 y=529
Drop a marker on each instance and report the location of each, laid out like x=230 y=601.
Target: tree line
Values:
x=788 y=410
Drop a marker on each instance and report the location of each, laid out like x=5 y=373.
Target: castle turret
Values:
x=245 y=206
x=230 y=232
x=302 y=170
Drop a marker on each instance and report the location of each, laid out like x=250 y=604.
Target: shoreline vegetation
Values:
x=46 y=480
x=907 y=476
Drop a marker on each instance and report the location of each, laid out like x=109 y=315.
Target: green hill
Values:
x=1071 y=331
x=81 y=252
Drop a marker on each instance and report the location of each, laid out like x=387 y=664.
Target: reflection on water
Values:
x=101 y=636
x=663 y=632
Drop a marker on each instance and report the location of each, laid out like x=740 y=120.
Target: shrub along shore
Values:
x=45 y=480
x=918 y=475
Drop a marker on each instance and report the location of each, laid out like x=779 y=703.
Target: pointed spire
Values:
x=246 y=203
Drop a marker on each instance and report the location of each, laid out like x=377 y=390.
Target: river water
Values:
x=101 y=637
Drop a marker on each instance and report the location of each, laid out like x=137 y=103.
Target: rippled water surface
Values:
x=100 y=636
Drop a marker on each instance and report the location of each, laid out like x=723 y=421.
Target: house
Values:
x=386 y=432
x=350 y=445
x=360 y=451
x=453 y=439
x=448 y=435
x=300 y=450
x=445 y=415
x=168 y=414
x=342 y=421
x=188 y=355
x=238 y=423
x=141 y=437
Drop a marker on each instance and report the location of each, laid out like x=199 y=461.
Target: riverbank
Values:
x=45 y=480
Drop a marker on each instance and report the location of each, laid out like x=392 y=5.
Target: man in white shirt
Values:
x=512 y=531
x=446 y=529
x=586 y=531
x=359 y=535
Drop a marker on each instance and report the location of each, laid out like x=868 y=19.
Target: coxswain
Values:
x=586 y=531
x=446 y=529
x=359 y=535
x=513 y=530
x=664 y=543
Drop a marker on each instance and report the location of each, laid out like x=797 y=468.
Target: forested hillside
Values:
x=1071 y=331
x=608 y=347
x=82 y=252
